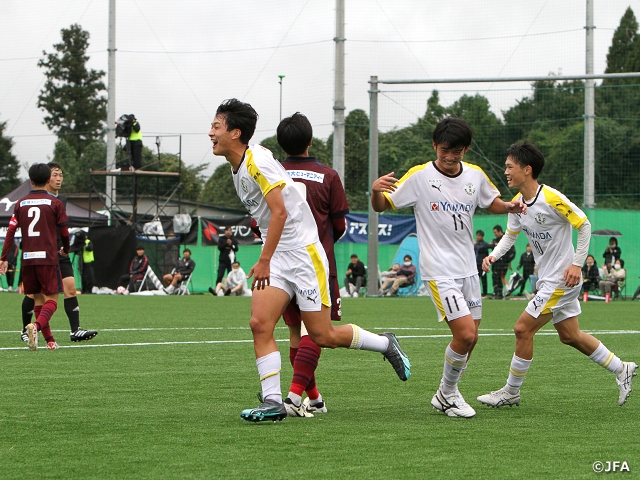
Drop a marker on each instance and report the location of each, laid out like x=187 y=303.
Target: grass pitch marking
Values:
x=545 y=333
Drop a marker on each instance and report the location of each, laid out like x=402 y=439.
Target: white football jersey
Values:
x=258 y=174
x=547 y=225
x=444 y=206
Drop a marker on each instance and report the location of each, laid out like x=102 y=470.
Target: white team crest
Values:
x=540 y=218
x=243 y=184
x=435 y=183
x=469 y=188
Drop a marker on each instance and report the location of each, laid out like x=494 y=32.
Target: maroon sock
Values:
x=36 y=311
x=304 y=367
x=45 y=314
x=292 y=355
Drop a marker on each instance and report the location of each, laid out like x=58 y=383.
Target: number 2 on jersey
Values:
x=35 y=213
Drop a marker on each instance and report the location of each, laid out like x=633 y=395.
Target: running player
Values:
x=40 y=217
x=548 y=223
x=328 y=202
x=445 y=195
x=71 y=307
x=292 y=262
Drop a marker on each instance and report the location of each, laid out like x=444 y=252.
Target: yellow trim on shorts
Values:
x=321 y=274
x=433 y=286
x=553 y=300
x=257 y=175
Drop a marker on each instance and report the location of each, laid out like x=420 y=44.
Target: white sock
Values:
x=316 y=401
x=605 y=358
x=453 y=364
x=365 y=340
x=295 y=398
x=170 y=288
x=269 y=371
x=517 y=372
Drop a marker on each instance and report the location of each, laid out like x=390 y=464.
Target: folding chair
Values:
x=183 y=289
x=149 y=275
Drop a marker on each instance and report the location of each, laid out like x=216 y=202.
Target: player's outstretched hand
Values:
x=572 y=276
x=486 y=263
x=260 y=272
x=386 y=183
x=3 y=267
x=516 y=207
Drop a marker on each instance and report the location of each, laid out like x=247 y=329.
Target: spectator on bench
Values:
x=137 y=269
x=183 y=271
x=405 y=277
x=355 y=276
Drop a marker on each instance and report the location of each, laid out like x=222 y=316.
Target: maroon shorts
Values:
x=292 y=314
x=45 y=279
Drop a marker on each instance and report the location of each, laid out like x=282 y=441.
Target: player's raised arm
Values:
x=501 y=207
x=384 y=184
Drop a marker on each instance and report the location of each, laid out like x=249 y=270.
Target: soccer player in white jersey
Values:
x=444 y=195
x=292 y=261
x=548 y=225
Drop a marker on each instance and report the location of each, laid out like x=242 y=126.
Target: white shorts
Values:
x=303 y=272
x=456 y=297
x=558 y=300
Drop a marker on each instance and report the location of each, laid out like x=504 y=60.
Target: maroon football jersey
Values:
x=40 y=215
x=325 y=196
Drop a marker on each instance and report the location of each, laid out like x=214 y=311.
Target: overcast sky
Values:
x=177 y=61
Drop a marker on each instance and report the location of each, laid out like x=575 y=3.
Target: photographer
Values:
x=127 y=126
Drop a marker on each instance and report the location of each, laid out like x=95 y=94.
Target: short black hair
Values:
x=479 y=232
x=408 y=256
x=39 y=174
x=613 y=239
x=53 y=165
x=353 y=255
x=239 y=115
x=235 y=261
x=453 y=132
x=294 y=134
x=526 y=153
x=140 y=247
x=621 y=262
x=186 y=250
x=498 y=228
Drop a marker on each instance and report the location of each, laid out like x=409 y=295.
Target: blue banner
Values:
x=391 y=228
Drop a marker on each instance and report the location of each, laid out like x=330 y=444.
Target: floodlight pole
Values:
x=280 y=77
x=589 y=116
x=338 y=101
x=111 y=107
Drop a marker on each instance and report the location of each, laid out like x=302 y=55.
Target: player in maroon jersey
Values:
x=71 y=307
x=328 y=201
x=40 y=216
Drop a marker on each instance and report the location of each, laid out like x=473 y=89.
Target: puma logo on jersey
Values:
x=437 y=187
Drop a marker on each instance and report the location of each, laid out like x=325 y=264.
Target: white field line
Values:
x=544 y=333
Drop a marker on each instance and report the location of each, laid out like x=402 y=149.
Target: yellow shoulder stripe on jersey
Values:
x=257 y=175
x=476 y=167
x=404 y=178
x=516 y=197
x=556 y=201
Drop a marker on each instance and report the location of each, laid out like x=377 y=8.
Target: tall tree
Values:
x=623 y=43
x=73 y=94
x=356 y=159
x=9 y=165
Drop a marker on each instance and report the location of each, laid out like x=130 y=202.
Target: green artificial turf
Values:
x=158 y=393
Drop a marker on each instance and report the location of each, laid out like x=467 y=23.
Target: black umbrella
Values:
x=606 y=233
